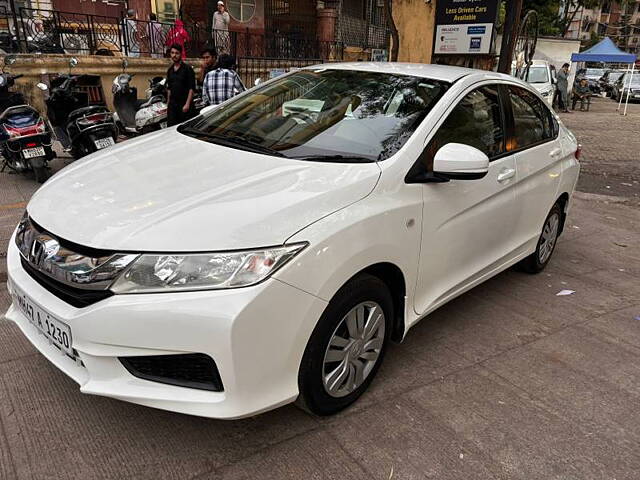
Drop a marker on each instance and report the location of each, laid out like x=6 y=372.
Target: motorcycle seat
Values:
x=81 y=112
x=152 y=100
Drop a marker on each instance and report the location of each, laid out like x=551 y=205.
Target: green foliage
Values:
x=548 y=15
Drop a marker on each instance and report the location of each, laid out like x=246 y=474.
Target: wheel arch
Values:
x=393 y=277
x=563 y=201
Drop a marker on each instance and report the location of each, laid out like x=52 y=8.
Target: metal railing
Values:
x=51 y=31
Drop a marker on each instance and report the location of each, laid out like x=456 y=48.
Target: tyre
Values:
x=347 y=346
x=41 y=174
x=538 y=260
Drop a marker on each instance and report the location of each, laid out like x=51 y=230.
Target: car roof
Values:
x=436 y=72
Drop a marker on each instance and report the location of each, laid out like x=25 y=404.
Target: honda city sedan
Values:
x=269 y=250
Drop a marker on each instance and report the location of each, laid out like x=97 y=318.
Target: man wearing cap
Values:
x=220 y=26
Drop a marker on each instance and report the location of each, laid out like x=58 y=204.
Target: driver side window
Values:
x=476 y=121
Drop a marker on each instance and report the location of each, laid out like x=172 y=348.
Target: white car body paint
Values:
x=166 y=192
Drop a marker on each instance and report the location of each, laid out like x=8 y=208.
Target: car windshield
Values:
x=594 y=72
x=323 y=115
x=538 y=75
x=633 y=81
x=613 y=76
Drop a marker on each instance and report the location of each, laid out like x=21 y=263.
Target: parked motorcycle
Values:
x=25 y=136
x=139 y=116
x=82 y=129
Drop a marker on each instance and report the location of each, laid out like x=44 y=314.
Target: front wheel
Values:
x=538 y=260
x=347 y=346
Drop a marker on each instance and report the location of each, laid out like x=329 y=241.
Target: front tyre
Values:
x=347 y=346
x=538 y=260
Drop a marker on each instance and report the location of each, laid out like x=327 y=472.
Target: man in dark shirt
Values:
x=181 y=84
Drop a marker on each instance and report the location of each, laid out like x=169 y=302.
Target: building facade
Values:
x=618 y=20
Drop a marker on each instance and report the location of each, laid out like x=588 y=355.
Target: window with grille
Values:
x=242 y=10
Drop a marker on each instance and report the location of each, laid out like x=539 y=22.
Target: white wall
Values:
x=556 y=51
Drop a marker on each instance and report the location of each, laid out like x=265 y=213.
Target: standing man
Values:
x=563 y=88
x=220 y=26
x=209 y=58
x=222 y=83
x=131 y=33
x=181 y=84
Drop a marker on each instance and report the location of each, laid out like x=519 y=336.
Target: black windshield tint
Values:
x=332 y=113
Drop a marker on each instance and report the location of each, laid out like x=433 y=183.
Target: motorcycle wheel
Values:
x=41 y=174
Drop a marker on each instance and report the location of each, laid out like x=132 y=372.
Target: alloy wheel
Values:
x=354 y=349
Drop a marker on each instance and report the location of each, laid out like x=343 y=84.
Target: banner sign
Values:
x=465 y=26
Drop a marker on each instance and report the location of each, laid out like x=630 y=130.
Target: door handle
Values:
x=505 y=174
x=555 y=153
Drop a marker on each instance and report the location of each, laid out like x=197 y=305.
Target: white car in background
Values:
x=267 y=252
x=542 y=77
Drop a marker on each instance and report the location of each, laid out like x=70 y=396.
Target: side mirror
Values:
x=257 y=82
x=73 y=62
x=42 y=86
x=208 y=109
x=456 y=161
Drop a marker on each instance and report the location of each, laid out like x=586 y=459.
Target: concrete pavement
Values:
x=509 y=381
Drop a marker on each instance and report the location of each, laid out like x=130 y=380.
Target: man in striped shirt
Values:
x=222 y=83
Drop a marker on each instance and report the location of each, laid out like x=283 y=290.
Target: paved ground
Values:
x=509 y=381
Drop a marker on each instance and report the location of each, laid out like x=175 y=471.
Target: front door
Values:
x=468 y=225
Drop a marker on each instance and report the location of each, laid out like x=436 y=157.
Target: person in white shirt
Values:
x=220 y=29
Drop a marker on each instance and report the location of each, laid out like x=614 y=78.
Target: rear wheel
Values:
x=538 y=260
x=347 y=346
x=41 y=174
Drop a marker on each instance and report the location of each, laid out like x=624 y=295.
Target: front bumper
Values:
x=255 y=335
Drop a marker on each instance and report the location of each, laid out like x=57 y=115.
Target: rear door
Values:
x=533 y=137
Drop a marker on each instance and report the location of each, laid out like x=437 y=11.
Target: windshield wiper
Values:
x=232 y=142
x=335 y=158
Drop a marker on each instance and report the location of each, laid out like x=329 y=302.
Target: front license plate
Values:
x=33 y=152
x=58 y=333
x=104 y=143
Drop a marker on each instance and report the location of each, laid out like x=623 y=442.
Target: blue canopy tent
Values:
x=606 y=51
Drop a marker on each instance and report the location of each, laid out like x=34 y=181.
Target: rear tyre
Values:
x=347 y=347
x=41 y=174
x=538 y=260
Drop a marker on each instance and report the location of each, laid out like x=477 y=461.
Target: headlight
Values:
x=203 y=271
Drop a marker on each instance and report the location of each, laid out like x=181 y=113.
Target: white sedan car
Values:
x=268 y=251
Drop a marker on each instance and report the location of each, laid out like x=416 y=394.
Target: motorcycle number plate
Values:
x=104 y=142
x=33 y=152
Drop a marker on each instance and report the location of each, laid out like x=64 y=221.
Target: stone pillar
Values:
x=142 y=8
x=326 y=30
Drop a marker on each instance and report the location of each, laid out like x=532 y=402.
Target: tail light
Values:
x=93 y=119
x=16 y=132
x=578 y=152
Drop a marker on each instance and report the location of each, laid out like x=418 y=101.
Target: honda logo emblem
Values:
x=43 y=249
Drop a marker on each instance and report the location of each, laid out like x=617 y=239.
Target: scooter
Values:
x=81 y=128
x=25 y=137
x=135 y=116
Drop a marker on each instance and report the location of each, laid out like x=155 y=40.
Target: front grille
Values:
x=192 y=370
x=77 y=297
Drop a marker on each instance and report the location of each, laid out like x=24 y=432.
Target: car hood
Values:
x=167 y=192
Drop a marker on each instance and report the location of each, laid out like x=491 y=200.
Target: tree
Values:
x=555 y=16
